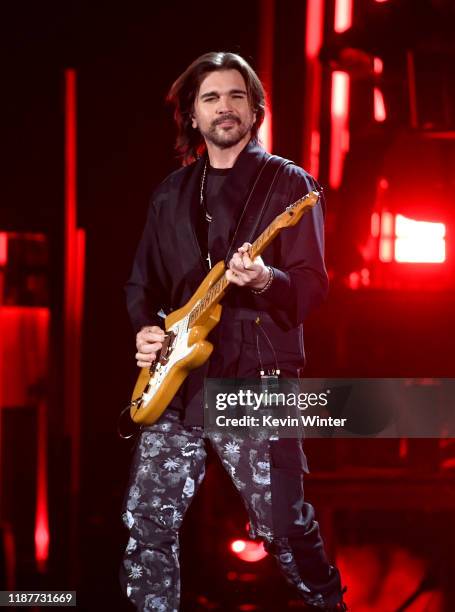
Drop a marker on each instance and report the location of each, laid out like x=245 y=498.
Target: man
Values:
x=195 y=218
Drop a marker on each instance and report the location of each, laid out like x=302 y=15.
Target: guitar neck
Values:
x=218 y=289
x=289 y=217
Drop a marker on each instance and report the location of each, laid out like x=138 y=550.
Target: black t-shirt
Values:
x=215 y=179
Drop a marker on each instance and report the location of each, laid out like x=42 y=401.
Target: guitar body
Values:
x=185 y=346
x=188 y=349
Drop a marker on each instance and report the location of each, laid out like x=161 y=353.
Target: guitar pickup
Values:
x=167 y=348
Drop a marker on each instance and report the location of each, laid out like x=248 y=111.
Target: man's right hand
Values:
x=148 y=342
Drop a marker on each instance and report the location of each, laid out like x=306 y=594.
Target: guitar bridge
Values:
x=162 y=357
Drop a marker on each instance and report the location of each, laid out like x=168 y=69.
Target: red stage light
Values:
x=339 y=144
x=313 y=85
x=42 y=510
x=238 y=546
x=3 y=248
x=42 y=539
x=386 y=250
x=343 y=15
x=265 y=131
x=379 y=106
x=386 y=238
x=247 y=550
x=19 y=371
x=378 y=65
x=314 y=28
x=407 y=240
x=266 y=56
x=386 y=225
x=419 y=241
x=73 y=294
x=340 y=94
x=375 y=225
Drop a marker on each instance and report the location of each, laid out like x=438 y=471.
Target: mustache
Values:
x=226 y=117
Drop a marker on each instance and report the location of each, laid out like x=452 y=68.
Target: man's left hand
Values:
x=247 y=273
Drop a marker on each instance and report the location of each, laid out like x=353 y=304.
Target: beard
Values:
x=226 y=137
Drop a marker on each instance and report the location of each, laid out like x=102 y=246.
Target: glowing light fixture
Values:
x=419 y=241
x=42 y=506
x=42 y=539
x=314 y=29
x=379 y=106
x=265 y=131
x=249 y=551
x=343 y=15
x=313 y=85
x=340 y=94
x=238 y=546
x=406 y=240
x=375 y=225
x=3 y=248
x=378 y=65
x=339 y=144
x=387 y=237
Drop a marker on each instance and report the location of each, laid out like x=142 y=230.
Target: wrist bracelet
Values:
x=267 y=284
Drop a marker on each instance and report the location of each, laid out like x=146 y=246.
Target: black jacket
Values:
x=168 y=268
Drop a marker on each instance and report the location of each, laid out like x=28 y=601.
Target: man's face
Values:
x=222 y=111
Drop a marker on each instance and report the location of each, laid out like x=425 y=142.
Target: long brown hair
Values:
x=189 y=143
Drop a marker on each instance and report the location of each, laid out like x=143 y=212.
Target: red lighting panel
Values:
x=379 y=106
x=386 y=238
x=378 y=65
x=247 y=550
x=340 y=94
x=419 y=241
x=375 y=225
x=405 y=240
x=238 y=546
x=313 y=85
x=314 y=28
x=265 y=131
x=343 y=15
x=339 y=145
x=3 y=248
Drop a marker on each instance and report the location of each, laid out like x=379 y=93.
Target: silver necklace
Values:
x=208 y=217
x=202 y=199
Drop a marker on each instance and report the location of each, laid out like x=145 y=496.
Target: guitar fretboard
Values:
x=217 y=290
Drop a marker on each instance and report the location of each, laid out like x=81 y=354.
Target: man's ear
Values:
x=193 y=122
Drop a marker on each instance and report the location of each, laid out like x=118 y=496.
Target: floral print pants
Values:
x=167 y=469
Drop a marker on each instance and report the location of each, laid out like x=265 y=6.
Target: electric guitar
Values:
x=185 y=346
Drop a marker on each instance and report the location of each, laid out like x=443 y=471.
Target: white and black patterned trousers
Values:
x=167 y=469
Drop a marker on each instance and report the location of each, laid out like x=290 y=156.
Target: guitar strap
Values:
x=258 y=199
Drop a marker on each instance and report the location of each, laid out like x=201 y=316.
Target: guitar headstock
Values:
x=294 y=212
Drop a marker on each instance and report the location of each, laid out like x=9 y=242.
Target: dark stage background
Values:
x=387 y=507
